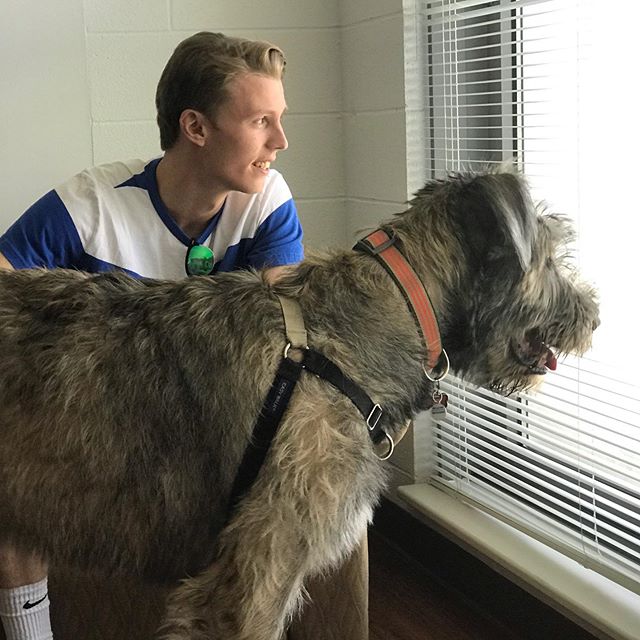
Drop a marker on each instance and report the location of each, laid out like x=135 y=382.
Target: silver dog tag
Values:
x=439 y=407
x=438 y=411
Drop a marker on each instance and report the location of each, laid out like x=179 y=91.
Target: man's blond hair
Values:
x=199 y=71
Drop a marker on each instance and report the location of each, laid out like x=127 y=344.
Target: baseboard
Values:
x=482 y=587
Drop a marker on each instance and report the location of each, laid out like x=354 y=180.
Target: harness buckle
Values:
x=365 y=245
x=374 y=417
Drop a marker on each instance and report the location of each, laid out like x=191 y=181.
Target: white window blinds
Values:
x=550 y=84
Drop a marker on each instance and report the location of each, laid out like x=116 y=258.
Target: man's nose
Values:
x=279 y=140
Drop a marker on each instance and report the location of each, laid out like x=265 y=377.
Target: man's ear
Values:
x=193 y=125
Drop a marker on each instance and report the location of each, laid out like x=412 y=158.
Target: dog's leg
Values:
x=254 y=588
x=249 y=593
x=307 y=511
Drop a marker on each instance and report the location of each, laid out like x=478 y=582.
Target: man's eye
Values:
x=262 y=120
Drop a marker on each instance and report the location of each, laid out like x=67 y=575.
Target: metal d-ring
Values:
x=392 y=446
x=445 y=371
x=295 y=348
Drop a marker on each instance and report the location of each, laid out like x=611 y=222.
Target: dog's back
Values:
x=121 y=396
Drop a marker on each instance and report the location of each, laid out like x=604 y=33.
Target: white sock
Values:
x=24 y=612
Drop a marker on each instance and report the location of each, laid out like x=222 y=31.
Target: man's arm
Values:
x=4 y=263
x=18 y=568
x=43 y=236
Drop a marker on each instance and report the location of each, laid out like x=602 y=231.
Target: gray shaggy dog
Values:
x=126 y=405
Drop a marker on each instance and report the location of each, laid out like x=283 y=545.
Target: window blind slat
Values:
x=447 y=12
x=550 y=401
x=576 y=479
x=543 y=448
x=546 y=529
x=522 y=68
x=553 y=507
x=551 y=413
x=547 y=501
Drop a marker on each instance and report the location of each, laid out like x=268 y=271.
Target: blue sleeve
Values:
x=278 y=240
x=44 y=236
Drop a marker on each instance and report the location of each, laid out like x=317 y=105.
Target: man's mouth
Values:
x=262 y=164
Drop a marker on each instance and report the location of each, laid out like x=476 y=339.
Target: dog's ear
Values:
x=498 y=218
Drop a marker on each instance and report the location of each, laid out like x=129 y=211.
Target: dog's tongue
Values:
x=551 y=361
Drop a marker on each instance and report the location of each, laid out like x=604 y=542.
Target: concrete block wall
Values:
x=374 y=111
x=45 y=133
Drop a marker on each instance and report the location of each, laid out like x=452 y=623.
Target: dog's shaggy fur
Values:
x=126 y=406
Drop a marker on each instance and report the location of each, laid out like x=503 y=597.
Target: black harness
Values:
x=276 y=404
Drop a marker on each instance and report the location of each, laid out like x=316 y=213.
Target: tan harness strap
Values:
x=293 y=323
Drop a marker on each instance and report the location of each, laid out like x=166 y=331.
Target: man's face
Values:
x=246 y=134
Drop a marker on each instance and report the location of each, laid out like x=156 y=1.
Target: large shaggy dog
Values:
x=126 y=406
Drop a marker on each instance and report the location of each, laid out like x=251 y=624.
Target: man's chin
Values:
x=251 y=186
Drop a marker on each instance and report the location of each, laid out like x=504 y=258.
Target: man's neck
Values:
x=181 y=191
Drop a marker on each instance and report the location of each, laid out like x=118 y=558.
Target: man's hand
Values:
x=4 y=263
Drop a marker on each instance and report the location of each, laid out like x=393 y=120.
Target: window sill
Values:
x=600 y=605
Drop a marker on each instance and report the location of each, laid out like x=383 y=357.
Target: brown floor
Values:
x=404 y=604
x=423 y=586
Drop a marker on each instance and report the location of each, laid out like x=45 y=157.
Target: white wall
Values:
x=44 y=100
x=374 y=111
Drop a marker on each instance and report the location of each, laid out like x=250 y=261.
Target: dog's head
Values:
x=510 y=299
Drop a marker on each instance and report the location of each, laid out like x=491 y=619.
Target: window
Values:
x=547 y=83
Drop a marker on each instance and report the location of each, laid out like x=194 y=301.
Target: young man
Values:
x=211 y=203
x=220 y=102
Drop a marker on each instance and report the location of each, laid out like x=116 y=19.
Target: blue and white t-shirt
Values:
x=111 y=217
